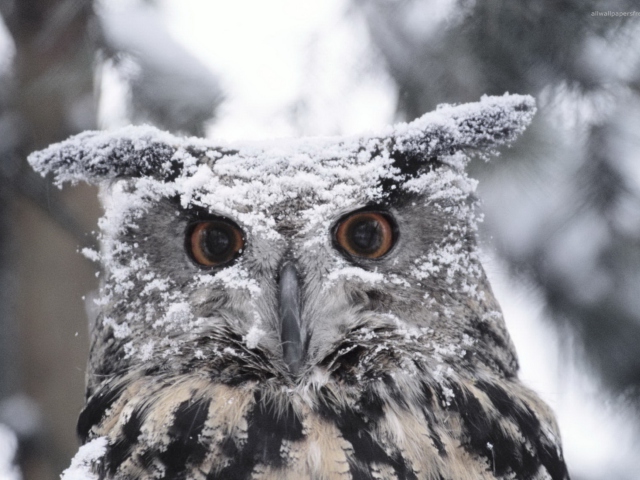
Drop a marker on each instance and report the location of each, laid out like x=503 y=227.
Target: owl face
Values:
x=210 y=253
x=297 y=307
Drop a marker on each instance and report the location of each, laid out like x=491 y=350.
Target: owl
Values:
x=311 y=308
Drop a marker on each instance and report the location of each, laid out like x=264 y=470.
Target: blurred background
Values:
x=561 y=236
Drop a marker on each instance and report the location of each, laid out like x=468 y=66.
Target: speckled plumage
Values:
x=407 y=371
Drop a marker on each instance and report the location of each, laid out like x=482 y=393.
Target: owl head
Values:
x=281 y=258
x=292 y=264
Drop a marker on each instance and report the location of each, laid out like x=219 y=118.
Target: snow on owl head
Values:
x=310 y=308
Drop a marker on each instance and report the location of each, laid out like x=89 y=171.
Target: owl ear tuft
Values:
x=489 y=123
x=130 y=152
x=146 y=151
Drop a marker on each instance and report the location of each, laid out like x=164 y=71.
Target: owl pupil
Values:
x=366 y=236
x=216 y=242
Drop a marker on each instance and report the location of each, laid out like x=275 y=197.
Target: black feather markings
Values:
x=427 y=411
x=95 y=409
x=486 y=438
x=185 y=446
x=268 y=427
x=529 y=425
x=120 y=450
x=355 y=426
x=479 y=328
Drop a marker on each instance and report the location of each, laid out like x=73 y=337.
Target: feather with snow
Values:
x=311 y=308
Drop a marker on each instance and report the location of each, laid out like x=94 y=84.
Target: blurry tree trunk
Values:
x=51 y=95
x=55 y=52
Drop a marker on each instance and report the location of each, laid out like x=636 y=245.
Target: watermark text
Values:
x=615 y=14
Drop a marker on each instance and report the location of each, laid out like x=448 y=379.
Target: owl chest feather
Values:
x=396 y=426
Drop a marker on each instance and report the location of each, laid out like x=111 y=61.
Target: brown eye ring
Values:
x=213 y=243
x=366 y=234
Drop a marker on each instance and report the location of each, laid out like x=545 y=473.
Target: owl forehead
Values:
x=304 y=175
x=302 y=189
x=260 y=186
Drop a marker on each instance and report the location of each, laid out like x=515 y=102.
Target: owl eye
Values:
x=213 y=243
x=366 y=234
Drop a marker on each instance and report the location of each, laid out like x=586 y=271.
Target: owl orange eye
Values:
x=366 y=234
x=214 y=243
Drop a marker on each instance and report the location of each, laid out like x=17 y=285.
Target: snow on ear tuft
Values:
x=133 y=151
x=146 y=151
x=491 y=122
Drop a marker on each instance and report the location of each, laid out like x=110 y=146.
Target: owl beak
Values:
x=289 y=300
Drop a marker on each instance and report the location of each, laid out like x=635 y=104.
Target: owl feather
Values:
x=311 y=308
